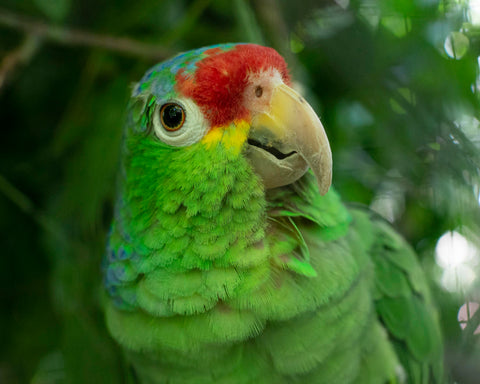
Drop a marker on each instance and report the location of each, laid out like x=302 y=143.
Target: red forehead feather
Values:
x=219 y=81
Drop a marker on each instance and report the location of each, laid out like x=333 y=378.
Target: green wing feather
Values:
x=402 y=300
x=392 y=273
x=339 y=339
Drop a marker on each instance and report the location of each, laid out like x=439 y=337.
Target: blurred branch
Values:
x=275 y=29
x=472 y=326
x=247 y=21
x=15 y=196
x=193 y=13
x=270 y=16
x=18 y=57
x=66 y=36
x=26 y=205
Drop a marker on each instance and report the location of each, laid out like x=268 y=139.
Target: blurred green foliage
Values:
x=396 y=84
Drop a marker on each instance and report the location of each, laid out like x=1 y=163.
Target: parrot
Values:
x=232 y=259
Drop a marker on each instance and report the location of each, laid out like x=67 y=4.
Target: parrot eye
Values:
x=178 y=122
x=172 y=116
x=258 y=91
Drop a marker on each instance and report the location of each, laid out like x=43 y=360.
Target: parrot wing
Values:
x=399 y=287
x=402 y=300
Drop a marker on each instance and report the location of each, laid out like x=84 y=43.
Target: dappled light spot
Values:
x=474 y=11
x=353 y=114
x=458 y=258
x=399 y=25
x=456 y=45
x=386 y=205
x=343 y=3
x=389 y=200
x=469 y=125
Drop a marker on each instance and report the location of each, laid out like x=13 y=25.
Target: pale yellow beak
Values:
x=287 y=139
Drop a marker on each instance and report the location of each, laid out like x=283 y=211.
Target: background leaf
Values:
x=55 y=10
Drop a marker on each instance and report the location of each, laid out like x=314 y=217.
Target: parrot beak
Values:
x=288 y=138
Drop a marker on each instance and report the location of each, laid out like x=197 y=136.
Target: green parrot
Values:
x=231 y=260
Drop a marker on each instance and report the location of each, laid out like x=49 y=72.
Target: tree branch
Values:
x=60 y=35
x=23 y=202
x=18 y=57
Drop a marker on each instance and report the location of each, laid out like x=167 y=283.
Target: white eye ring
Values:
x=179 y=122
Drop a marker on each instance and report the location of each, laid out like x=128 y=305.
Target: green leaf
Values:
x=457 y=45
x=398 y=25
x=55 y=10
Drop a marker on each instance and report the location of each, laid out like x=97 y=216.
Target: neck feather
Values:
x=194 y=207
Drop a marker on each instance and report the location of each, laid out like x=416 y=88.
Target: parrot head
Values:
x=209 y=132
x=229 y=101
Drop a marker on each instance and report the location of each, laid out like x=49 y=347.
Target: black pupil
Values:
x=172 y=116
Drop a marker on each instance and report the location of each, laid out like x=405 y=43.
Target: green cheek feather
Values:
x=213 y=278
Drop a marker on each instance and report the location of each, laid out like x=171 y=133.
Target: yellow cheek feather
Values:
x=232 y=137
